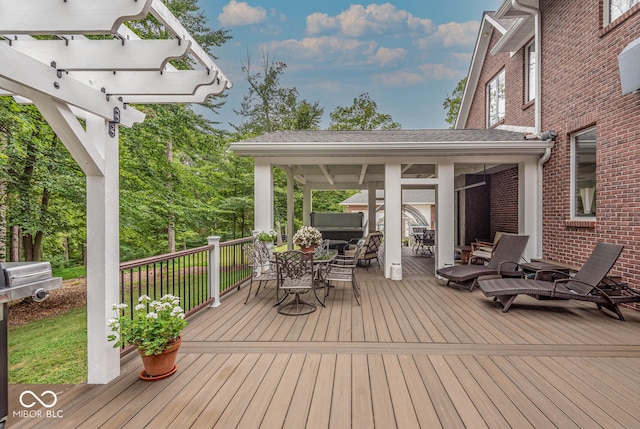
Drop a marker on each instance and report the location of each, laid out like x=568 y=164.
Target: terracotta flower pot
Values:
x=157 y=367
x=308 y=249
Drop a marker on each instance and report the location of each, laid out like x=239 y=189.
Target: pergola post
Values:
x=103 y=253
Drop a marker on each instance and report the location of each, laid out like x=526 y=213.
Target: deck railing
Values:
x=186 y=274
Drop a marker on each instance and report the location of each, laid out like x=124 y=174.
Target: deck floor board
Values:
x=416 y=353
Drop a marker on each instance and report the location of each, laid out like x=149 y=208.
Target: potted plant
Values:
x=267 y=236
x=307 y=238
x=154 y=329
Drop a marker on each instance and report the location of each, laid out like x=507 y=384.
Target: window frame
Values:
x=530 y=74
x=573 y=172
x=607 y=11
x=500 y=76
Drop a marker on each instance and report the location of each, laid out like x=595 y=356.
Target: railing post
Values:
x=214 y=270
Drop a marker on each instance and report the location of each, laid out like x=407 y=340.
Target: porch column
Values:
x=371 y=209
x=290 y=210
x=392 y=215
x=445 y=209
x=103 y=254
x=529 y=207
x=307 y=204
x=262 y=195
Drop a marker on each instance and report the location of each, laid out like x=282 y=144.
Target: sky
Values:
x=408 y=55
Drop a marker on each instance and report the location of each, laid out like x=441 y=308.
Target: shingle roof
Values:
x=389 y=136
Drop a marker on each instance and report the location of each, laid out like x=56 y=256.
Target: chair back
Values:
x=324 y=247
x=294 y=264
x=596 y=267
x=356 y=252
x=372 y=243
x=509 y=249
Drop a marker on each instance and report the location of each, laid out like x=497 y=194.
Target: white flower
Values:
x=176 y=311
x=152 y=315
x=119 y=306
x=307 y=236
x=140 y=307
x=113 y=323
x=144 y=298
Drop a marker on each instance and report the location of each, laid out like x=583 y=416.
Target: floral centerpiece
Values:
x=155 y=325
x=307 y=237
x=267 y=236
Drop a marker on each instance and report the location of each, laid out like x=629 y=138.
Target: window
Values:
x=530 y=72
x=615 y=8
x=495 y=99
x=583 y=174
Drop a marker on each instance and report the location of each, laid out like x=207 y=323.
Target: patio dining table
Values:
x=320 y=259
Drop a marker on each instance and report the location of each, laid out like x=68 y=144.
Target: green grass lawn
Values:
x=50 y=351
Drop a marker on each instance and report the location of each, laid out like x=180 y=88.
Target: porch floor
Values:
x=417 y=353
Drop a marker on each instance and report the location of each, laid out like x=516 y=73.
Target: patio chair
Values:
x=590 y=284
x=370 y=248
x=342 y=270
x=295 y=277
x=483 y=250
x=504 y=263
x=262 y=268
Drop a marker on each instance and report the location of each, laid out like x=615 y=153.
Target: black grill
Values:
x=19 y=280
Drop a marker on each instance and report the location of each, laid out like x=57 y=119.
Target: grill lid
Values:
x=27 y=279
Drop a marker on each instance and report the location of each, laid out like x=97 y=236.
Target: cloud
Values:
x=359 y=20
x=452 y=34
x=438 y=72
x=321 y=48
x=237 y=13
x=398 y=79
x=386 y=56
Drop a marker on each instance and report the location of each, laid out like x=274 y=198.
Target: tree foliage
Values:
x=270 y=107
x=361 y=115
x=452 y=104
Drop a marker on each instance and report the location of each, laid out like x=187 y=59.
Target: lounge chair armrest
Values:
x=573 y=280
x=502 y=269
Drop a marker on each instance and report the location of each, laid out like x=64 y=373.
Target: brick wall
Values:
x=504 y=201
x=517 y=112
x=581 y=88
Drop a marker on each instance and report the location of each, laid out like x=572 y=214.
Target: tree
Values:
x=362 y=115
x=452 y=104
x=270 y=107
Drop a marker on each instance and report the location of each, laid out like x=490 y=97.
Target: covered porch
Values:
x=417 y=353
x=397 y=160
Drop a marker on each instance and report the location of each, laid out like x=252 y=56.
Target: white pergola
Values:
x=396 y=160
x=73 y=77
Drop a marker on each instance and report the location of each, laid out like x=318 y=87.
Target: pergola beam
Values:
x=73 y=17
x=162 y=14
x=146 y=82
x=46 y=80
x=79 y=53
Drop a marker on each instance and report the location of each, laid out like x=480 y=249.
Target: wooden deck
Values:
x=416 y=354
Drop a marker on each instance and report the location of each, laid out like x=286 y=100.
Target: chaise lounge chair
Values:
x=504 y=262
x=589 y=284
